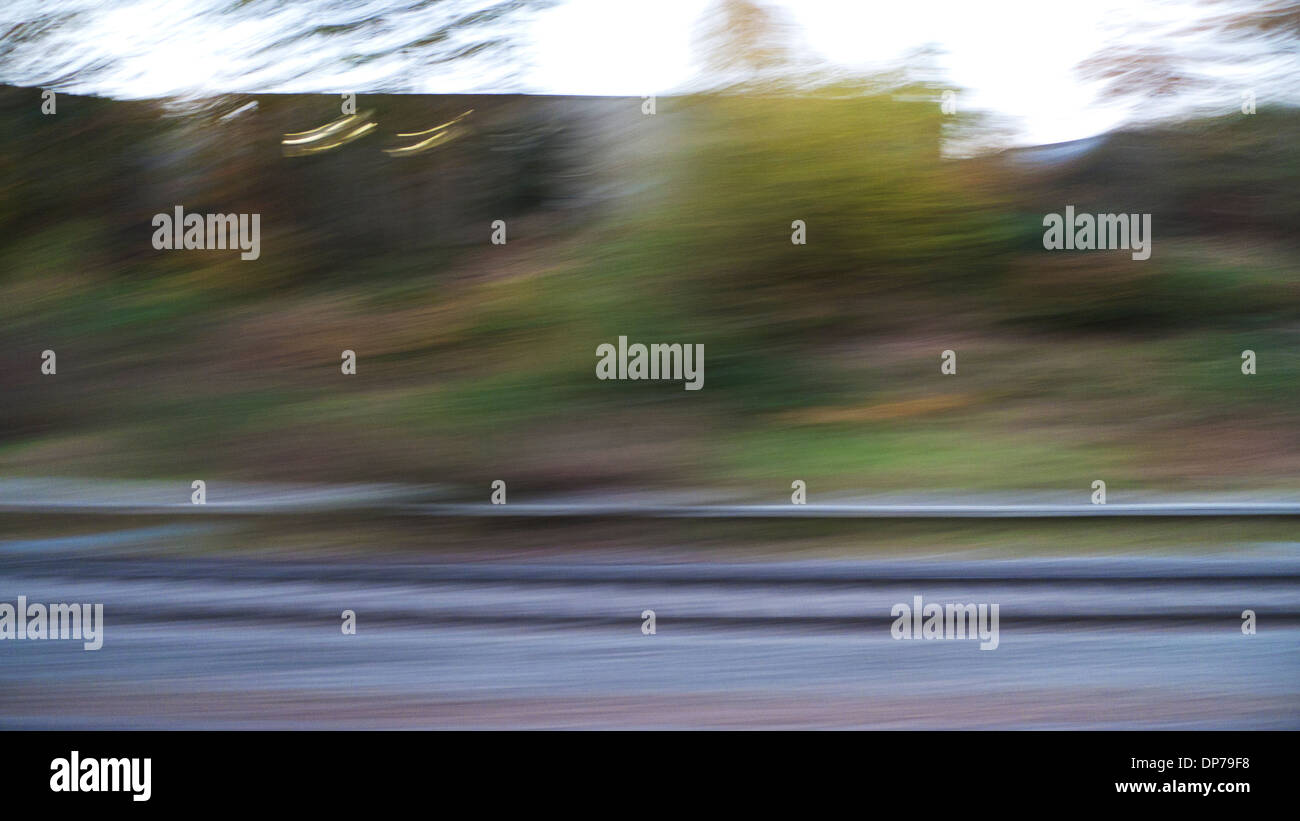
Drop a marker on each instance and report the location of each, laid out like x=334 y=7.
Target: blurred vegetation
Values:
x=477 y=361
x=885 y=212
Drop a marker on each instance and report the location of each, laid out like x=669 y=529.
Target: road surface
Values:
x=240 y=643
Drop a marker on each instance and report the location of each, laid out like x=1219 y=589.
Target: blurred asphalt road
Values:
x=238 y=643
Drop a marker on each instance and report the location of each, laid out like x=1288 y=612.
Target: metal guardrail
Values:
x=666 y=511
x=857 y=511
x=1104 y=569
x=59 y=496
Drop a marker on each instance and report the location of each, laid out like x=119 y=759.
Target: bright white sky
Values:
x=1015 y=58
